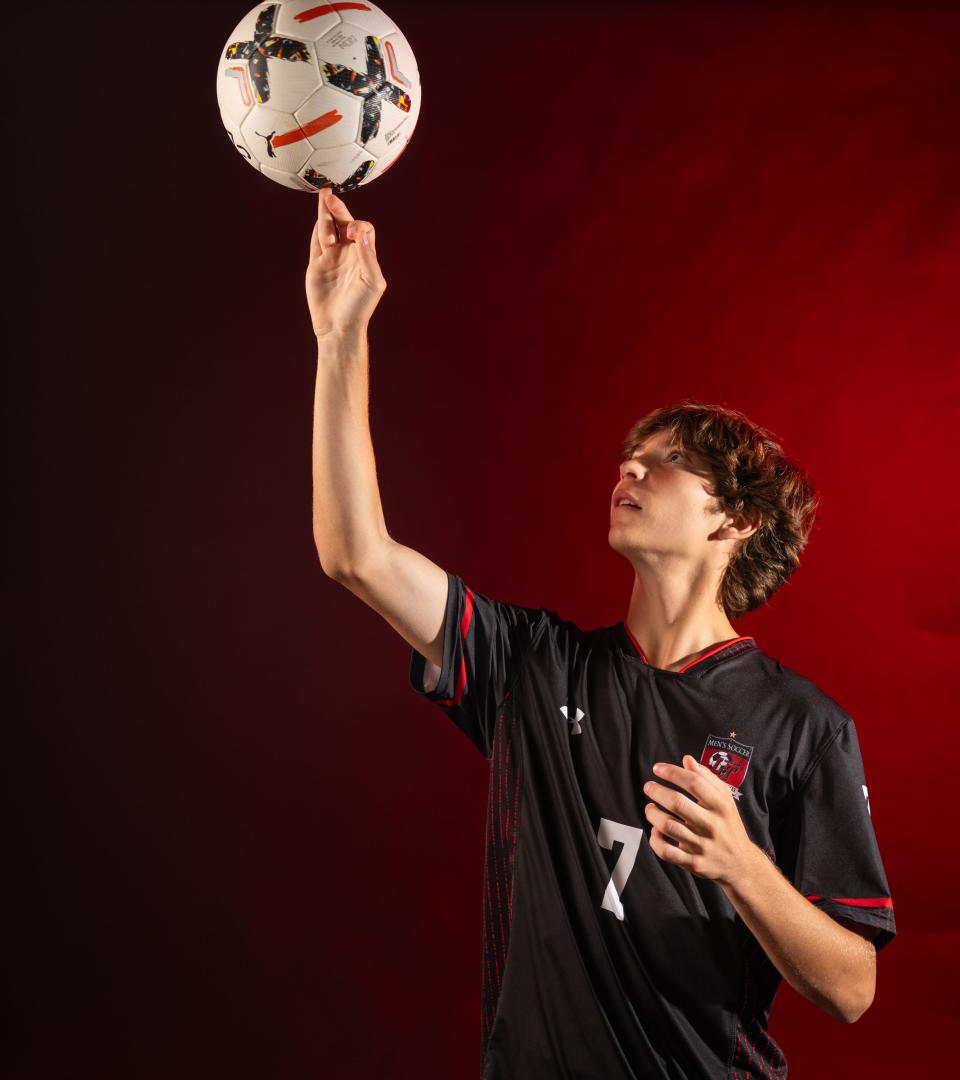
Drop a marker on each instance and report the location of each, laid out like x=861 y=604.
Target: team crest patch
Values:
x=727 y=759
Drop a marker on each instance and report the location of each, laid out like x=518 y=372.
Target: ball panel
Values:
x=400 y=65
x=399 y=103
x=239 y=143
x=344 y=168
x=329 y=118
x=305 y=19
x=234 y=90
x=281 y=70
x=370 y=20
x=290 y=180
x=276 y=139
x=288 y=80
x=344 y=47
x=386 y=161
x=356 y=63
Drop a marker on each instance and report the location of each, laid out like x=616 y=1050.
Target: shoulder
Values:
x=564 y=643
x=557 y=629
x=798 y=690
x=813 y=716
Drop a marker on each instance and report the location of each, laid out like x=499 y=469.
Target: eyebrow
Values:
x=669 y=446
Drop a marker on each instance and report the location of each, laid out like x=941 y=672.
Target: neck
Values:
x=674 y=615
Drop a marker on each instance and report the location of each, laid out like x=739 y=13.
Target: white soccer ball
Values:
x=312 y=98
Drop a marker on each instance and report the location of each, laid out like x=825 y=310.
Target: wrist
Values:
x=750 y=864
x=341 y=345
x=352 y=332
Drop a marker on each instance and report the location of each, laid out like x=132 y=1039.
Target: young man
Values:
x=676 y=821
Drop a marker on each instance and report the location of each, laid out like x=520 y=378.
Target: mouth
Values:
x=622 y=497
x=627 y=506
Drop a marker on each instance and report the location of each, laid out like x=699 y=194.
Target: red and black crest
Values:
x=727 y=759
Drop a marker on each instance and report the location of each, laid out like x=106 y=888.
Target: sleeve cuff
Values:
x=879 y=917
x=443 y=691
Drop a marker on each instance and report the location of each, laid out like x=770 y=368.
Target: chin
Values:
x=625 y=542
x=617 y=540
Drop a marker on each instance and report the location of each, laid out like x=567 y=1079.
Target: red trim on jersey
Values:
x=686 y=667
x=635 y=643
x=858 y=901
x=732 y=641
x=465 y=621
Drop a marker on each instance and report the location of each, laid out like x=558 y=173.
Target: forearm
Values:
x=348 y=519
x=830 y=965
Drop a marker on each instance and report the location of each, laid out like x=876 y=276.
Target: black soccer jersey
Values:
x=599 y=960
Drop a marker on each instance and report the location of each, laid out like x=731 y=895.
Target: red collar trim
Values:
x=698 y=660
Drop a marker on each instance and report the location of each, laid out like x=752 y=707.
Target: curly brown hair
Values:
x=751 y=476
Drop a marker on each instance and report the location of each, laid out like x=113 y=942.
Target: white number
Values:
x=631 y=837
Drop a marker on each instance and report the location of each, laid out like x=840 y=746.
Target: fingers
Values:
x=673 y=832
x=326 y=227
x=332 y=214
x=366 y=246
x=315 y=249
x=336 y=209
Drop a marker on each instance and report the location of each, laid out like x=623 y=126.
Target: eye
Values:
x=675 y=453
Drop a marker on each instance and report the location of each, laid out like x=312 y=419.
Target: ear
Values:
x=739 y=527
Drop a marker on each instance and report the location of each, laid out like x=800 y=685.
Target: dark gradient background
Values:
x=248 y=849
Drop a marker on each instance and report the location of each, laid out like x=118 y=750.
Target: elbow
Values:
x=859 y=983
x=333 y=563
x=337 y=570
x=865 y=1004
x=852 y=1015
x=850 y=1011
x=353 y=564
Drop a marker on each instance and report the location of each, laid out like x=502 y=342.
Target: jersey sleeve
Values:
x=484 y=644
x=829 y=849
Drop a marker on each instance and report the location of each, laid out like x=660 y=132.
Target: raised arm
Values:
x=344 y=283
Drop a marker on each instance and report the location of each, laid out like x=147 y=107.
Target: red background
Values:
x=249 y=849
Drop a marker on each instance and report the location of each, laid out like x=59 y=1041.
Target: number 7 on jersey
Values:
x=631 y=836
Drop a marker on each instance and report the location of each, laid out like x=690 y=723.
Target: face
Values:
x=676 y=516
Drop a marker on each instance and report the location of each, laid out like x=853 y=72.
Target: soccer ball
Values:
x=314 y=99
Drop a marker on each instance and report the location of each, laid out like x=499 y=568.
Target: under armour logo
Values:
x=575 y=720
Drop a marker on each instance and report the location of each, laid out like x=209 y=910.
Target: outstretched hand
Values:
x=344 y=281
